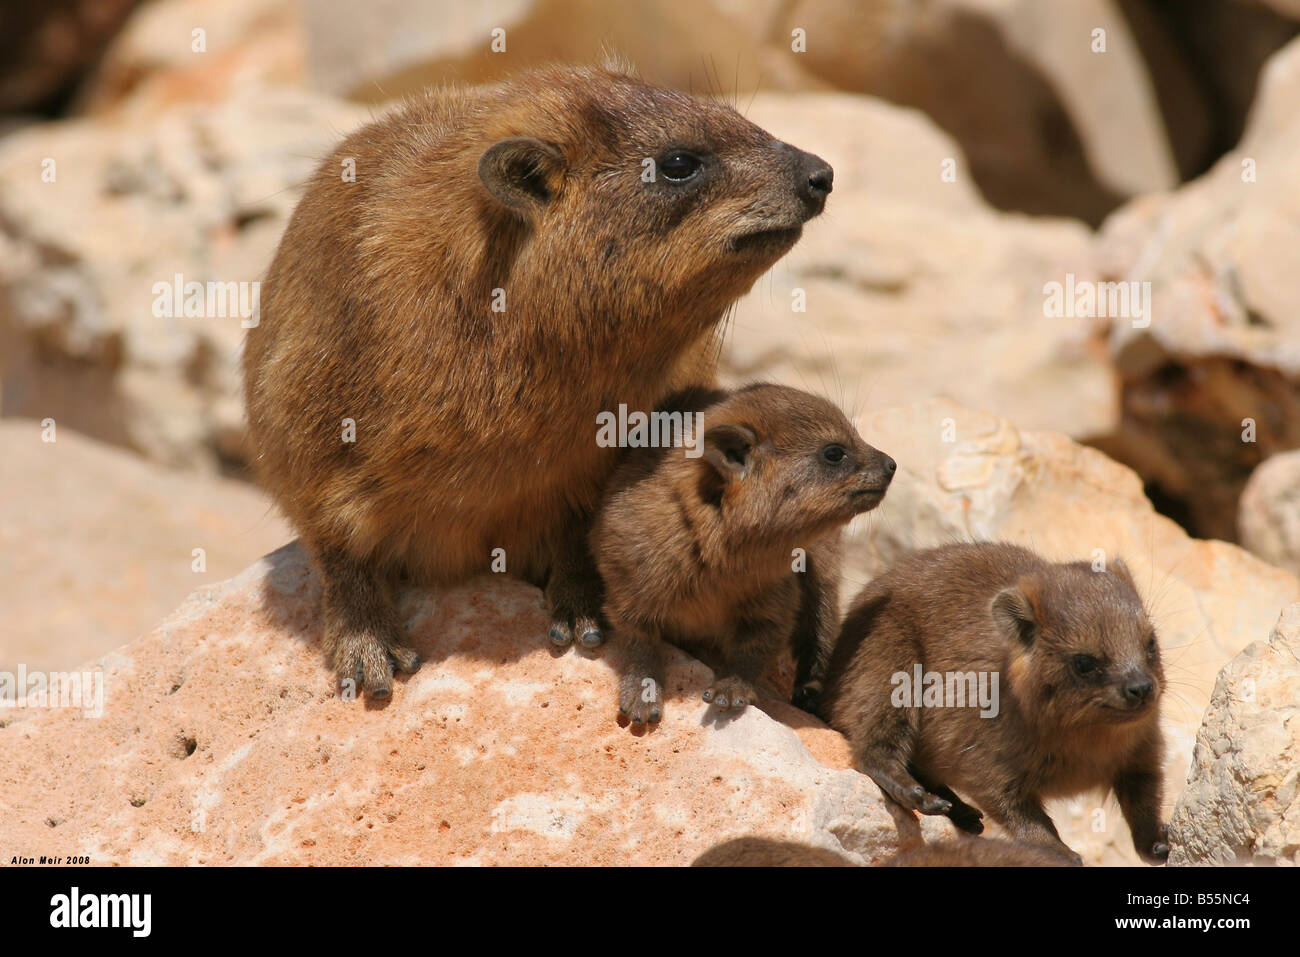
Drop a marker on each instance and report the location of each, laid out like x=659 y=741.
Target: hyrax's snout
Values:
x=878 y=468
x=873 y=478
x=812 y=178
x=813 y=181
x=1137 y=687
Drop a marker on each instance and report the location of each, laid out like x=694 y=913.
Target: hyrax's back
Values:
x=377 y=309
x=440 y=330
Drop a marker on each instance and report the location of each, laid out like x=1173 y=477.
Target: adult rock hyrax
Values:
x=440 y=330
x=734 y=551
x=1078 y=695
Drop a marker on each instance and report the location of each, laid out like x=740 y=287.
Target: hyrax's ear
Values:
x=521 y=172
x=1013 y=612
x=730 y=450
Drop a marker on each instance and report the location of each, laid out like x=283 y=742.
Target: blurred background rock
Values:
x=1125 y=164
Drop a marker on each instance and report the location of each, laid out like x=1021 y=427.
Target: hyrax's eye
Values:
x=834 y=454
x=679 y=166
x=1152 y=648
x=1084 y=665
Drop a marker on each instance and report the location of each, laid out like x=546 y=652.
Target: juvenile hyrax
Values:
x=1077 y=697
x=733 y=551
x=464 y=286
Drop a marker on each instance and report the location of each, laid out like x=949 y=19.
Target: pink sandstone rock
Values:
x=223 y=741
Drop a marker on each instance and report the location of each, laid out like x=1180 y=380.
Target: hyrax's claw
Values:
x=560 y=635
x=592 y=637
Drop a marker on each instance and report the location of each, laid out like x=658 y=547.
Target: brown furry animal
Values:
x=763 y=852
x=1078 y=697
x=979 y=852
x=970 y=852
x=510 y=261
x=700 y=551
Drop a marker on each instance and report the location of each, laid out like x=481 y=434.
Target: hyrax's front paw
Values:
x=1156 y=851
x=368 y=661
x=640 y=699
x=919 y=799
x=574 y=607
x=807 y=697
x=966 y=818
x=730 y=694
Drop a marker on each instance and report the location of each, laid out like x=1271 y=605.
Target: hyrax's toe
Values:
x=640 y=700
x=1157 y=847
x=573 y=606
x=565 y=629
x=404 y=658
x=366 y=661
x=730 y=694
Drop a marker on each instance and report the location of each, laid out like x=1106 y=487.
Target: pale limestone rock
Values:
x=1268 y=518
x=1212 y=386
x=913 y=287
x=1047 y=124
x=198 y=191
x=97 y=545
x=1242 y=800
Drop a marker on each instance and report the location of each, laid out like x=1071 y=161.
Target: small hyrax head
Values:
x=1086 y=639
x=649 y=180
x=789 y=463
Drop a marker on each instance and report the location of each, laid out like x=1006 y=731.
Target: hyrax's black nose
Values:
x=890 y=465
x=820 y=180
x=1137 y=690
x=815 y=177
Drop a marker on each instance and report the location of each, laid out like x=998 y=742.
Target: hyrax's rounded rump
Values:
x=464 y=286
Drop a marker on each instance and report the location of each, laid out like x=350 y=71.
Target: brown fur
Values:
x=970 y=852
x=475 y=429
x=977 y=852
x=699 y=551
x=1000 y=608
x=762 y=852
